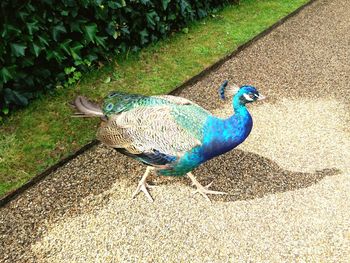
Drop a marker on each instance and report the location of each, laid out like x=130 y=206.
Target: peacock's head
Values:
x=244 y=94
x=248 y=94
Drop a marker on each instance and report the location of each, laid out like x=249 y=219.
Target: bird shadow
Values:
x=246 y=175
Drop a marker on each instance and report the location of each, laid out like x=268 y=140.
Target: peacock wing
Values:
x=162 y=132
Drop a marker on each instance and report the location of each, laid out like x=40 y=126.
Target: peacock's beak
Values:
x=261 y=97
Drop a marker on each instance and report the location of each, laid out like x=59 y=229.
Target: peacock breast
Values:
x=221 y=136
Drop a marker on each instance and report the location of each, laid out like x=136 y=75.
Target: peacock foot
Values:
x=203 y=190
x=142 y=186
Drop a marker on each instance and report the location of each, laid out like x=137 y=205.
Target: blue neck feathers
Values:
x=225 y=134
x=240 y=122
x=239 y=107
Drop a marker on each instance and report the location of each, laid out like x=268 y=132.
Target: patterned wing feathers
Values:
x=145 y=129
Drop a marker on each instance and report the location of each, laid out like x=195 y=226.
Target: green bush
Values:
x=46 y=42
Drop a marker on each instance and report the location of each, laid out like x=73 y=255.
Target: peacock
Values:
x=171 y=135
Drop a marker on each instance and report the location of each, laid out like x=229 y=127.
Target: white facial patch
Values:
x=231 y=90
x=247 y=97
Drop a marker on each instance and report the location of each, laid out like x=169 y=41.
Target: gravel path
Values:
x=288 y=184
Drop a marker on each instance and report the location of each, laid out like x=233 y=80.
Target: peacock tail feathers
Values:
x=86 y=108
x=118 y=102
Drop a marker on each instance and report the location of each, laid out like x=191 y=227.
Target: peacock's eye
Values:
x=249 y=96
x=252 y=95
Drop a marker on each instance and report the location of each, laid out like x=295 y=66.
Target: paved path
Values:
x=288 y=183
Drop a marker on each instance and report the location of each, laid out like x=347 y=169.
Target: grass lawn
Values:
x=35 y=138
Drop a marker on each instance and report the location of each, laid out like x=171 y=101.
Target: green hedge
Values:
x=46 y=42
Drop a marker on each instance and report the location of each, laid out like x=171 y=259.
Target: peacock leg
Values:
x=203 y=190
x=142 y=186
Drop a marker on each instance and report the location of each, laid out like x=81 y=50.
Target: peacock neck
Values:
x=239 y=107
x=240 y=124
x=241 y=121
x=222 y=135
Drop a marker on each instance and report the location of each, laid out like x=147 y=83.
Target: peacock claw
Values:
x=204 y=190
x=208 y=185
x=142 y=186
x=151 y=186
